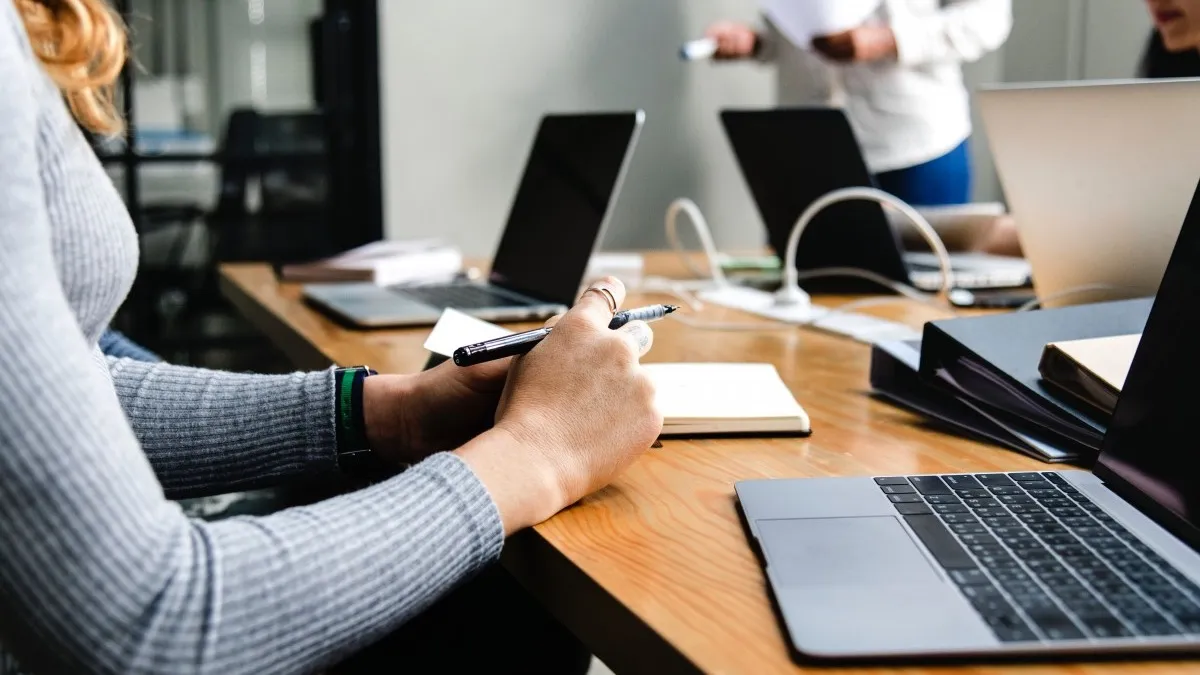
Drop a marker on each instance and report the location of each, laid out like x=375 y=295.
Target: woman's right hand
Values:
x=576 y=410
x=734 y=40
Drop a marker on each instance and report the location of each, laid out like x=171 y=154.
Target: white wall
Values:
x=464 y=83
x=1114 y=36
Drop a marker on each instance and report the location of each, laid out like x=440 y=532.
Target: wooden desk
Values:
x=654 y=573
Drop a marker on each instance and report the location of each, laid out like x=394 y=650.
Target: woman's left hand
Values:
x=410 y=417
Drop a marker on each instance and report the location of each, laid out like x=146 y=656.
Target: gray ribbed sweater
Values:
x=99 y=572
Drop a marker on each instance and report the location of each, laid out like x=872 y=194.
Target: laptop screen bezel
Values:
x=496 y=275
x=1164 y=303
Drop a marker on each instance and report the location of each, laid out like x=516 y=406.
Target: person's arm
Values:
x=962 y=31
x=100 y=573
x=208 y=432
x=770 y=41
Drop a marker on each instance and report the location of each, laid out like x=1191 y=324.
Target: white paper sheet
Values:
x=803 y=20
x=455 y=329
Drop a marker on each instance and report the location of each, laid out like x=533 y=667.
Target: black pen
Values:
x=521 y=343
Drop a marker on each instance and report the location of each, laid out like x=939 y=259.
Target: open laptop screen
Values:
x=790 y=158
x=561 y=205
x=1151 y=453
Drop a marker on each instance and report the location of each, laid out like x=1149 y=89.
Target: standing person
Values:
x=100 y=573
x=899 y=78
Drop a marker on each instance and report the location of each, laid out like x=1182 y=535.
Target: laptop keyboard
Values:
x=462 y=296
x=1042 y=563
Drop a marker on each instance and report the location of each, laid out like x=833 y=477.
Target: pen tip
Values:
x=671 y=309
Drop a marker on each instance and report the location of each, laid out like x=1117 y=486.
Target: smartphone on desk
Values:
x=997 y=298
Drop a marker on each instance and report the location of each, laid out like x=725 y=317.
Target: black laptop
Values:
x=562 y=204
x=791 y=157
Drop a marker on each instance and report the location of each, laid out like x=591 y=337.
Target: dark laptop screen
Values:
x=791 y=157
x=561 y=203
x=1151 y=453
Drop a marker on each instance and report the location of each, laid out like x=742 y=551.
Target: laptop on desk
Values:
x=562 y=205
x=997 y=564
x=1098 y=176
x=791 y=157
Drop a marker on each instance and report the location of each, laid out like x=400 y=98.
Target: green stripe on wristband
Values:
x=345 y=409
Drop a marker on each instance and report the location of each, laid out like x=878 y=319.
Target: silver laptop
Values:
x=993 y=564
x=1098 y=176
x=791 y=157
x=571 y=179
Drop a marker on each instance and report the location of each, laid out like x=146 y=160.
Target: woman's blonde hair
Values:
x=82 y=45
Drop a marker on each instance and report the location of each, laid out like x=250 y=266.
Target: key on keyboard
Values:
x=1041 y=562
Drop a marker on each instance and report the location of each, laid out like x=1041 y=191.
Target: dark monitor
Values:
x=562 y=204
x=1150 y=454
x=790 y=158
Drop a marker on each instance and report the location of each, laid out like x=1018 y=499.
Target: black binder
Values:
x=991 y=364
x=894 y=378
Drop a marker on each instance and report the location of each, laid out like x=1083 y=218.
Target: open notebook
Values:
x=695 y=398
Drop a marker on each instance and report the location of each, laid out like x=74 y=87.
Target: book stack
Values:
x=385 y=263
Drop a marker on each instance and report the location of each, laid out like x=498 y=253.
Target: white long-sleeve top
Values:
x=911 y=110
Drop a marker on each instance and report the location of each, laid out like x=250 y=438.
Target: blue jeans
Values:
x=938 y=182
x=115 y=344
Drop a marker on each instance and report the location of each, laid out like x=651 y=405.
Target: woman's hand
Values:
x=409 y=417
x=576 y=410
x=734 y=40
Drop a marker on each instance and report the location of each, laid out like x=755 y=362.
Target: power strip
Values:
x=860 y=327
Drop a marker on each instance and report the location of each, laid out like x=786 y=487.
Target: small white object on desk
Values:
x=859 y=327
x=455 y=329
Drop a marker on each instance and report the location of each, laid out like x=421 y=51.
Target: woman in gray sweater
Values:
x=100 y=572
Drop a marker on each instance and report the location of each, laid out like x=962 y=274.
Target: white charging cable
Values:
x=714 y=276
x=700 y=225
x=791 y=293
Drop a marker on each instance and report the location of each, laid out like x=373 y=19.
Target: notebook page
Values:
x=701 y=391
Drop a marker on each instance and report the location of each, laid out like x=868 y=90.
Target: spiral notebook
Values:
x=696 y=399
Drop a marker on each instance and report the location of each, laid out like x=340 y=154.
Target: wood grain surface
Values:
x=654 y=573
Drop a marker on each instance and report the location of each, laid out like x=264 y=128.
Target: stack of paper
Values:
x=386 y=263
x=803 y=20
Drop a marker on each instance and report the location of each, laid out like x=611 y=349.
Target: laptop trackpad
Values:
x=867 y=551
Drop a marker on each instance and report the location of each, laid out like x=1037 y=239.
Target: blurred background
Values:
x=285 y=130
